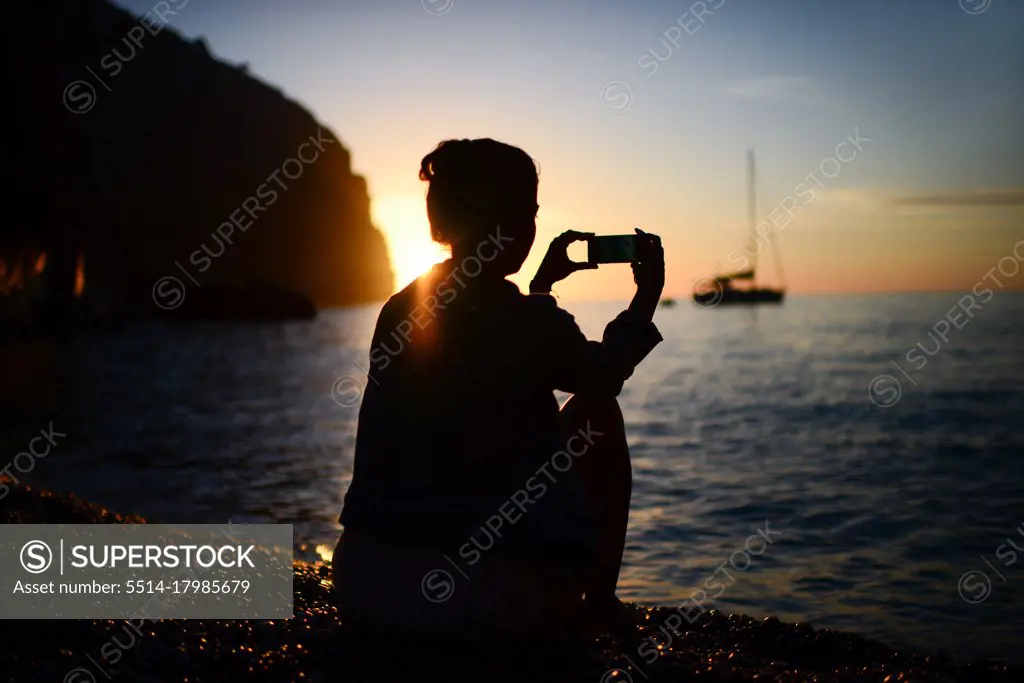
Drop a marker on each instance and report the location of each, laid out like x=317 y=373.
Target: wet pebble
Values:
x=314 y=646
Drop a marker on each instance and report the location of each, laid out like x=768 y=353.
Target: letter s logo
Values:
x=36 y=557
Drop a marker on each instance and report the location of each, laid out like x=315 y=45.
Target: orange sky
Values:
x=640 y=115
x=832 y=245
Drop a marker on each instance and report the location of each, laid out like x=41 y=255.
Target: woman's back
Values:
x=458 y=413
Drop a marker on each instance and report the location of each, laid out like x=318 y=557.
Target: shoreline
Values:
x=313 y=646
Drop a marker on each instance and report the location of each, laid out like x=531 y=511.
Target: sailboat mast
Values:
x=752 y=210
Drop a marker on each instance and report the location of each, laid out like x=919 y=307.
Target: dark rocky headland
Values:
x=129 y=147
x=314 y=645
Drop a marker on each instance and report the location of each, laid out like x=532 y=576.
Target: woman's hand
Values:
x=556 y=265
x=648 y=273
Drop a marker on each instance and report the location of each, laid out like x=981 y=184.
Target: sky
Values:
x=888 y=134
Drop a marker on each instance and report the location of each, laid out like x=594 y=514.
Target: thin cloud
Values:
x=859 y=198
x=876 y=199
x=963 y=198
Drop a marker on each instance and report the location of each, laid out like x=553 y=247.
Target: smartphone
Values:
x=611 y=249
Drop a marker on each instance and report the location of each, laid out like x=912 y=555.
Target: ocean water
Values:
x=890 y=489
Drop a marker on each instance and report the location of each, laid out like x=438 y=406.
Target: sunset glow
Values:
x=403 y=220
x=865 y=165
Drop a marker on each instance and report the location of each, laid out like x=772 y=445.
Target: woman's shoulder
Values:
x=432 y=293
x=544 y=309
x=418 y=293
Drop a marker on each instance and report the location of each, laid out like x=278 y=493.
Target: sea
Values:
x=851 y=461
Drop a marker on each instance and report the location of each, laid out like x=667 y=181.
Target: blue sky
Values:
x=937 y=90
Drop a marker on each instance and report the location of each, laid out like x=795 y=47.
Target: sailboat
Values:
x=722 y=289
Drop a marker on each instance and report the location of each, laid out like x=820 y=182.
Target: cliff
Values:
x=154 y=160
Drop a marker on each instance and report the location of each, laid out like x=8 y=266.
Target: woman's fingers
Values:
x=648 y=246
x=570 y=236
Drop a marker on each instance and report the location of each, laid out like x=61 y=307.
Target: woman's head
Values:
x=478 y=187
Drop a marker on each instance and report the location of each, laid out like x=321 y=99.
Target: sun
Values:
x=403 y=220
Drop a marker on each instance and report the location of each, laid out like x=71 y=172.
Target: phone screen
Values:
x=611 y=249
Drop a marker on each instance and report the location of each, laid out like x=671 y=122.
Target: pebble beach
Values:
x=316 y=646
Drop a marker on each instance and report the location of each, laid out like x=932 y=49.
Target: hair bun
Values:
x=451 y=157
x=475 y=185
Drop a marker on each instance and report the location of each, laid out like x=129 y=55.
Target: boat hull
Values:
x=738 y=297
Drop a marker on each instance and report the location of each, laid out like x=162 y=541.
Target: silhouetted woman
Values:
x=476 y=504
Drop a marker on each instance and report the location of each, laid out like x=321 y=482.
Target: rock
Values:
x=172 y=160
